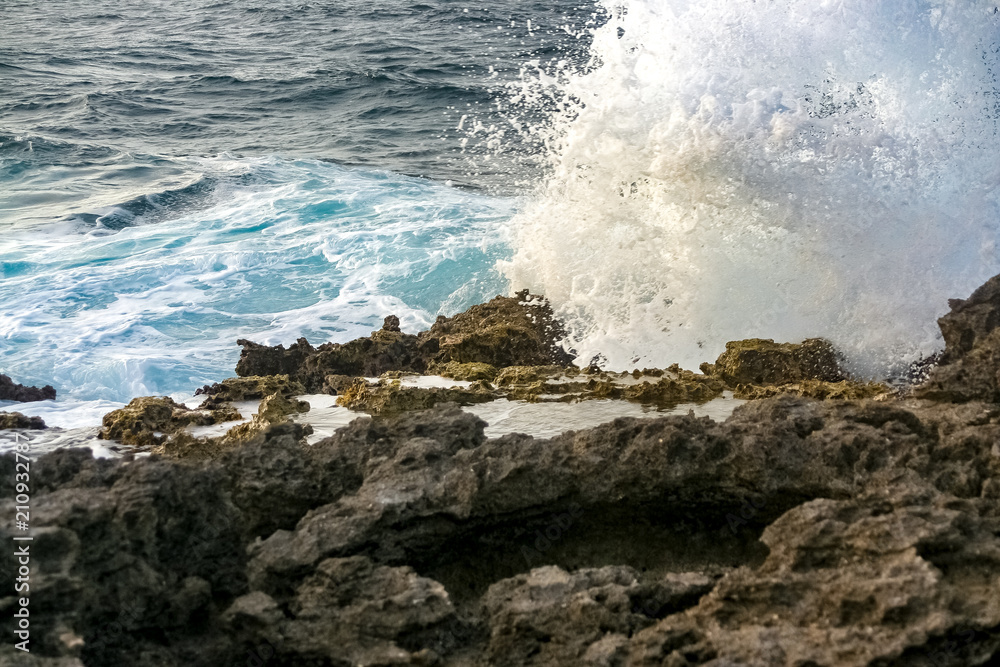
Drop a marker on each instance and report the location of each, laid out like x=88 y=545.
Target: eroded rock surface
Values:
x=11 y=391
x=797 y=532
x=507 y=331
x=10 y=420
x=969 y=368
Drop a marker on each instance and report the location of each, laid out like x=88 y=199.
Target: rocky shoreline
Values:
x=826 y=522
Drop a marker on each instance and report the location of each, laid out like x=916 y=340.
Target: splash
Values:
x=783 y=169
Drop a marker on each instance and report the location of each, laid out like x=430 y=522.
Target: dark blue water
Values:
x=175 y=175
x=102 y=91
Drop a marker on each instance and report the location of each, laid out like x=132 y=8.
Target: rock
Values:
x=880 y=579
x=469 y=372
x=9 y=391
x=387 y=397
x=126 y=551
x=552 y=617
x=391 y=323
x=757 y=361
x=970 y=320
x=147 y=421
x=515 y=375
x=843 y=390
x=248 y=388
x=17 y=420
x=274 y=409
x=969 y=368
x=507 y=331
x=352 y=611
x=797 y=532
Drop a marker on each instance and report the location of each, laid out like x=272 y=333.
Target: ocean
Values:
x=672 y=175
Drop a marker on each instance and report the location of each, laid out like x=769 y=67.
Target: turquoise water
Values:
x=178 y=175
x=672 y=175
x=276 y=250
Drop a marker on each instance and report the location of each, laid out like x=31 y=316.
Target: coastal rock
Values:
x=757 y=361
x=969 y=368
x=970 y=320
x=17 y=420
x=126 y=551
x=248 y=388
x=855 y=532
x=350 y=611
x=387 y=397
x=507 y=331
x=468 y=372
x=900 y=575
x=147 y=421
x=10 y=391
x=843 y=390
x=416 y=540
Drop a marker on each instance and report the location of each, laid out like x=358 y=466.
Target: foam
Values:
x=297 y=248
x=778 y=169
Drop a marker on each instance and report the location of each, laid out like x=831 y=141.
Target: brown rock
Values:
x=757 y=361
x=17 y=420
x=10 y=391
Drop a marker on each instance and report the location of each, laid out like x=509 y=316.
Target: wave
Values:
x=151 y=296
x=730 y=168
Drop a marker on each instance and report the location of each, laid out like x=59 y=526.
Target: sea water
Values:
x=671 y=174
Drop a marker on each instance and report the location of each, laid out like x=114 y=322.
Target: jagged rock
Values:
x=274 y=409
x=334 y=385
x=17 y=420
x=469 y=372
x=248 y=388
x=127 y=551
x=969 y=369
x=757 y=361
x=843 y=390
x=415 y=540
x=900 y=575
x=507 y=331
x=148 y=420
x=351 y=611
x=387 y=397
x=513 y=375
x=9 y=391
x=551 y=617
x=970 y=320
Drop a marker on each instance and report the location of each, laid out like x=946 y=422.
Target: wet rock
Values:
x=10 y=391
x=17 y=420
x=843 y=390
x=757 y=361
x=248 y=388
x=970 y=320
x=147 y=421
x=969 y=369
x=274 y=409
x=468 y=372
x=507 y=331
x=797 y=531
x=515 y=375
x=390 y=396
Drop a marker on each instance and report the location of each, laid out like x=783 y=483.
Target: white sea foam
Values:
x=278 y=250
x=783 y=169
